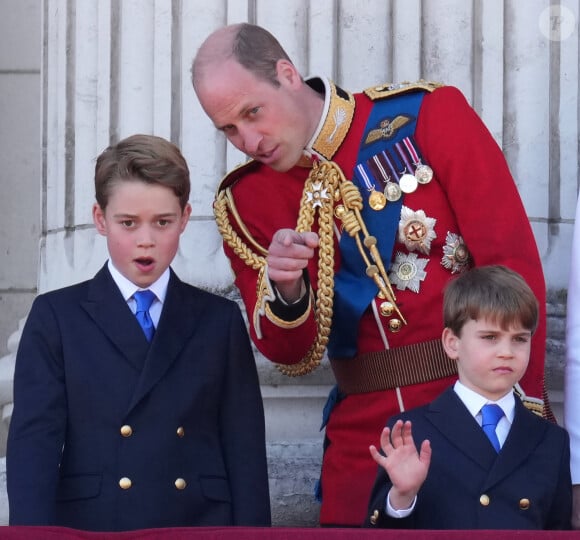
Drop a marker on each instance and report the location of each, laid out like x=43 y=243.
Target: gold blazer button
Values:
x=180 y=483
x=125 y=483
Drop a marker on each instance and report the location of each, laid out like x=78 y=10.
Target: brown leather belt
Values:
x=391 y=368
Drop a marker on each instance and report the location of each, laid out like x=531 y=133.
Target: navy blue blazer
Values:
x=470 y=486
x=112 y=433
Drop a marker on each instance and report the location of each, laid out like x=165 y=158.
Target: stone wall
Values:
x=62 y=101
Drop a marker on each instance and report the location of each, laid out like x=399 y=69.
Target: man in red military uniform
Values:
x=344 y=228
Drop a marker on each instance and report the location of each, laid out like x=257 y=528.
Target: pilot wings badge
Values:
x=387 y=128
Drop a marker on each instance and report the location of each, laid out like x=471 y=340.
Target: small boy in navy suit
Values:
x=510 y=471
x=136 y=396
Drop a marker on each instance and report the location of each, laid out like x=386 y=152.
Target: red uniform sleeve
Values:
x=268 y=201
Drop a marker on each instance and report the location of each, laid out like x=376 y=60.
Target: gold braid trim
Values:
x=320 y=189
x=231 y=237
x=325 y=185
x=289 y=324
x=535 y=405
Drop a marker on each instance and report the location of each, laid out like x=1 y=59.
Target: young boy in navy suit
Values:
x=518 y=476
x=125 y=421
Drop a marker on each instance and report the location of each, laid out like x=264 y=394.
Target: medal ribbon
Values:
x=380 y=167
x=407 y=141
x=363 y=175
x=403 y=155
x=353 y=289
x=390 y=163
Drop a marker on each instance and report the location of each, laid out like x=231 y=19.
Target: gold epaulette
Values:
x=236 y=173
x=535 y=405
x=392 y=89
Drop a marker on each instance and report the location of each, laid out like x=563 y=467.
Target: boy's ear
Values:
x=99 y=219
x=185 y=217
x=450 y=343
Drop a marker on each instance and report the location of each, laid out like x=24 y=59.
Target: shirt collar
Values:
x=474 y=401
x=128 y=288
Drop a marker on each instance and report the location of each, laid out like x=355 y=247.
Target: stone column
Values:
x=111 y=68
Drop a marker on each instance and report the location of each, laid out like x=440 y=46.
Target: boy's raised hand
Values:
x=406 y=467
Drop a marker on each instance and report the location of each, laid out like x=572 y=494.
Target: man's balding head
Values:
x=250 y=45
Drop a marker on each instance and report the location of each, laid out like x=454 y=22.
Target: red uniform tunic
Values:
x=472 y=195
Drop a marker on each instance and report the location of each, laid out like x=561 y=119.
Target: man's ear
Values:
x=99 y=219
x=450 y=343
x=287 y=73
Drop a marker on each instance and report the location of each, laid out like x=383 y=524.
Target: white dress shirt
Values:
x=128 y=289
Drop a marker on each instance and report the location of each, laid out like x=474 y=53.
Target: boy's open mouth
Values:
x=144 y=262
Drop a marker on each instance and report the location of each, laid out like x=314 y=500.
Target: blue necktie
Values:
x=490 y=415
x=144 y=300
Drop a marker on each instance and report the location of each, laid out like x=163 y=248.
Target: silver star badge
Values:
x=456 y=256
x=408 y=271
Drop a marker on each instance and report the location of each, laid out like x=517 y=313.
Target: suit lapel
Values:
x=107 y=307
x=525 y=429
x=451 y=418
x=181 y=311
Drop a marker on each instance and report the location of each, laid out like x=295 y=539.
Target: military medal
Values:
x=408 y=183
x=393 y=191
x=423 y=173
x=377 y=199
x=377 y=164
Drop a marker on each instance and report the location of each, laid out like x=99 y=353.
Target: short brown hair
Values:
x=259 y=51
x=493 y=292
x=145 y=158
x=252 y=46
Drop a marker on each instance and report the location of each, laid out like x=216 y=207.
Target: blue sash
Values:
x=353 y=289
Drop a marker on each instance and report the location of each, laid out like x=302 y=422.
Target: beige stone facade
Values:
x=75 y=75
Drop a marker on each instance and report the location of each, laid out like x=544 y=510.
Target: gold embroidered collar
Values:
x=335 y=120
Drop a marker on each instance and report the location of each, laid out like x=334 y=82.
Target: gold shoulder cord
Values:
x=320 y=190
x=231 y=237
x=325 y=185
